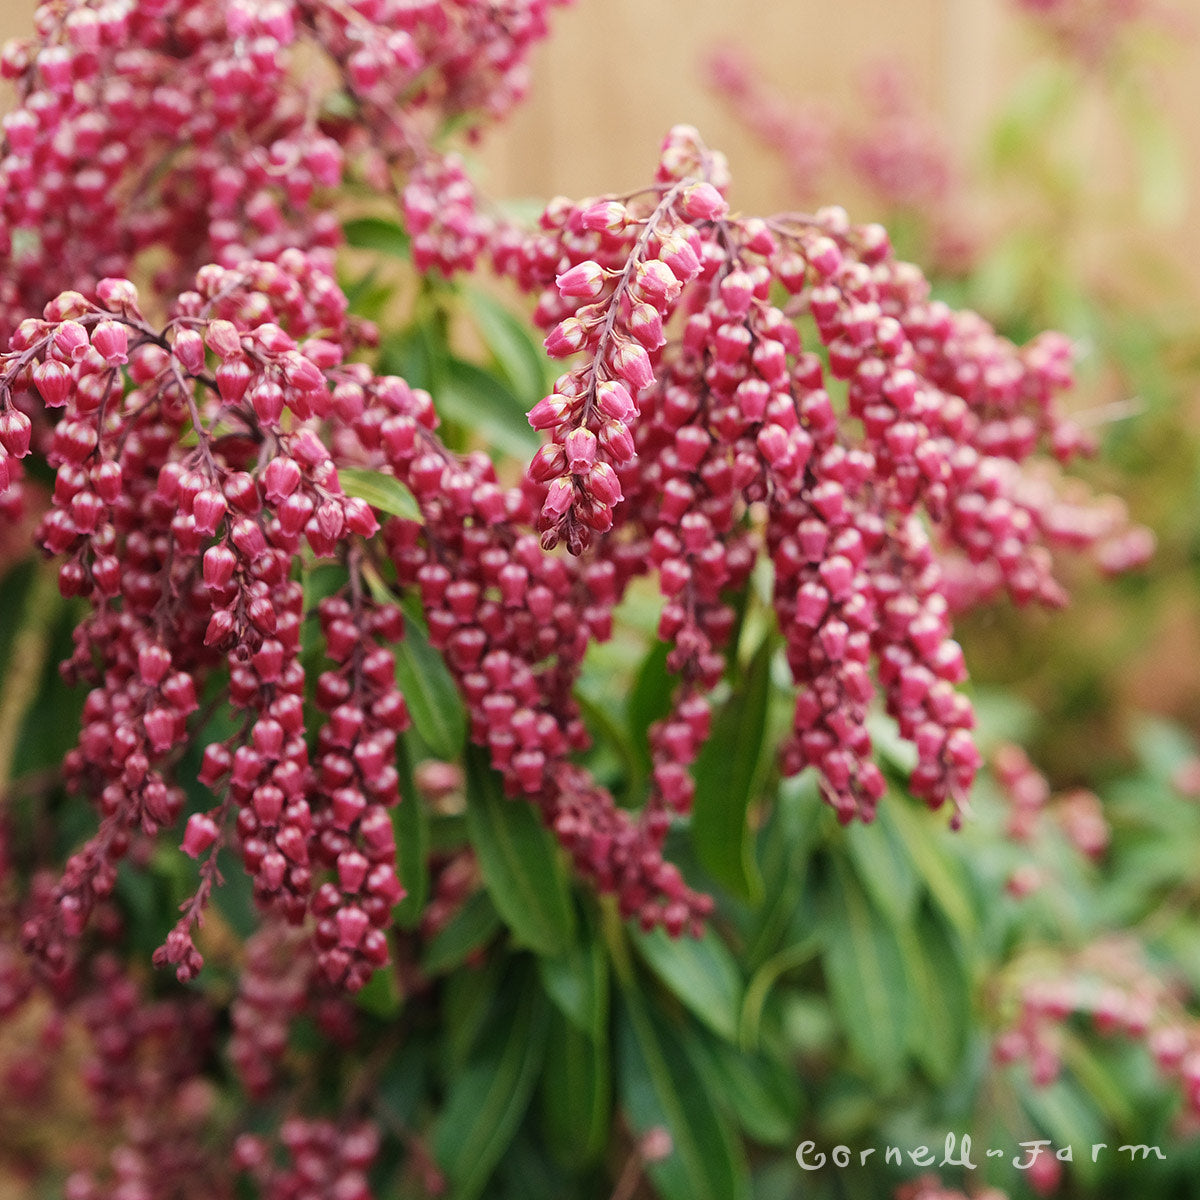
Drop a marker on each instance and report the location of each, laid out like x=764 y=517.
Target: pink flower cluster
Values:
x=1078 y=813
x=1110 y=985
x=185 y=127
x=732 y=438
x=741 y=389
x=325 y=1161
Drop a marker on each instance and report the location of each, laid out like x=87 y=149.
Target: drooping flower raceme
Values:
x=739 y=392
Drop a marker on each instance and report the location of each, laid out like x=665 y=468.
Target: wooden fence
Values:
x=618 y=73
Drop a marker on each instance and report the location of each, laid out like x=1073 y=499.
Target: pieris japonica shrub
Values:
x=421 y=772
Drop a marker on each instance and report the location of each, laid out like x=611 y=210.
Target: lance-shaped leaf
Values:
x=489 y=1096
x=520 y=863
x=659 y=1087
x=725 y=777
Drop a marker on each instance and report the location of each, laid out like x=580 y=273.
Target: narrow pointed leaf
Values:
x=383 y=492
x=489 y=1096
x=482 y=403
x=658 y=1086
x=377 y=233
x=576 y=1092
x=429 y=691
x=725 y=776
x=866 y=978
x=702 y=974
x=578 y=983
x=520 y=863
x=522 y=360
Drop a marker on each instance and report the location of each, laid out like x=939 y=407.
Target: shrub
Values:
x=484 y=744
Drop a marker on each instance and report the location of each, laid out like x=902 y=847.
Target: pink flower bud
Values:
x=559 y=497
x=219 y=565
x=812 y=601
x=107 y=479
x=300 y=372
x=359 y=517
x=352 y=924
x=233 y=377
x=580 y=449
x=656 y=281
x=71 y=340
x=53 y=380
x=294 y=512
x=159 y=724
x=280 y=479
x=208 y=510
x=737 y=291
x=223 y=339
x=154 y=661
x=702 y=202
x=220 y=626
x=550 y=411
x=267 y=398
x=117 y=295
x=547 y=463
x=617 y=441
x=632 y=364
x=614 y=400
x=603 y=484
x=199 y=834
x=773 y=445
x=824 y=256
x=583 y=281
x=605 y=216
x=248 y=537
x=646 y=325
x=189 y=350
x=567 y=337
x=678 y=253
x=111 y=340
x=15 y=432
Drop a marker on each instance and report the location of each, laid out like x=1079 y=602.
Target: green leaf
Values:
x=377 y=233
x=765 y=978
x=942 y=874
x=866 y=978
x=518 y=355
x=1068 y=1118
x=411 y=824
x=383 y=492
x=881 y=862
x=785 y=846
x=725 y=775
x=470 y=929
x=467 y=998
x=520 y=863
x=659 y=1086
x=701 y=973
x=489 y=1096
x=650 y=699
x=429 y=691
x=760 y=1093
x=417 y=354
x=367 y=297
x=479 y=401
x=577 y=982
x=380 y=996
x=576 y=1092
x=940 y=1010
